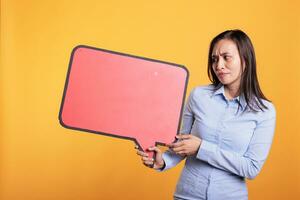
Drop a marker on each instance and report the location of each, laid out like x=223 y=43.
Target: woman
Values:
x=227 y=128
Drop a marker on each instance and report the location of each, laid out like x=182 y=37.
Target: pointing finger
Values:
x=185 y=136
x=156 y=149
x=176 y=144
x=142 y=153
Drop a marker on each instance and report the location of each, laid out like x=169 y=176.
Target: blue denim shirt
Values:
x=235 y=145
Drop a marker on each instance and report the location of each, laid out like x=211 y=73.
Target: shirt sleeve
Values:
x=171 y=159
x=249 y=164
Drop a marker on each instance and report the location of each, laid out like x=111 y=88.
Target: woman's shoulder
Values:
x=268 y=110
x=203 y=89
x=271 y=110
x=200 y=94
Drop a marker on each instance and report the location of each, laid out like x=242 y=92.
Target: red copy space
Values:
x=123 y=96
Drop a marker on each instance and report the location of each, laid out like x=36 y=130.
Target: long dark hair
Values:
x=249 y=86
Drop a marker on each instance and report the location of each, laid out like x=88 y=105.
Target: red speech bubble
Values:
x=124 y=96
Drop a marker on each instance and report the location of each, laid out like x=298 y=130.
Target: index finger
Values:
x=183 y=136
x=175 y=144
x=141 y=153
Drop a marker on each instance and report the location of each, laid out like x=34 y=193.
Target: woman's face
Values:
x=226 y=63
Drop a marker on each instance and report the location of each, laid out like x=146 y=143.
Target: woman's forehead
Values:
x=224 y=46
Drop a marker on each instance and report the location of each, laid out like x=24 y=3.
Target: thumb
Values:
x=158 y=152
x=158 y=162
x=155 y=148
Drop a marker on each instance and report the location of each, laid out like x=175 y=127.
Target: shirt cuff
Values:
x=206 y=151
x=171 y=159
x=167 y=161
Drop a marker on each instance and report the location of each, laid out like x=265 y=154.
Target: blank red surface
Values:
x=123 y=96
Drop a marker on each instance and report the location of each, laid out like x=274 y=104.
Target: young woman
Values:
x=227 y=128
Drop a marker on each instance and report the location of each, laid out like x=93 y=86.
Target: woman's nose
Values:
x=220 y=64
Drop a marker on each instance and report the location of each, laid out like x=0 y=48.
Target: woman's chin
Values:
x=224 y=82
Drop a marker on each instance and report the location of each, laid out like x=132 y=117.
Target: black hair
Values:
x=249 y=86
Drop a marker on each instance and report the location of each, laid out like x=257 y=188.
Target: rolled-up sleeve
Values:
x=171 y=159
x=249 y=164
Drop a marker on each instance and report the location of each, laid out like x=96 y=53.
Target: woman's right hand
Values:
x=157 y=163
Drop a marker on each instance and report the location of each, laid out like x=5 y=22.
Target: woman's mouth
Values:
x=221 y=75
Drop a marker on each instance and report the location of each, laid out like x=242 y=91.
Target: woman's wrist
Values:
x=164 y=165
x=161 y=165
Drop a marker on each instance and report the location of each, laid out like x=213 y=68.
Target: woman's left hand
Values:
x=186 y=145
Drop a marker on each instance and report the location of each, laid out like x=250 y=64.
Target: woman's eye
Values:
x=227 y=57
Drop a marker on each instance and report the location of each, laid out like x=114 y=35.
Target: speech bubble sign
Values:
x=125 y=96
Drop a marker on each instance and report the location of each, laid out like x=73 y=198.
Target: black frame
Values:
x=122 y=54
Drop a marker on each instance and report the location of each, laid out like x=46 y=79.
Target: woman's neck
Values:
x=231 y=91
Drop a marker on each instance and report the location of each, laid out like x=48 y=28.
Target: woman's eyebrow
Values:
x=222 y=54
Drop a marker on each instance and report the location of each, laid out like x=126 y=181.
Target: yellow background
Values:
x=39 y=159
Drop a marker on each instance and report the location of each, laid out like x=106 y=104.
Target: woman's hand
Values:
x=157 y=163
x=186 y=145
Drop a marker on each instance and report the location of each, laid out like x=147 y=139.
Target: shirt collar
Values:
x=219 y=90
x=240 y=99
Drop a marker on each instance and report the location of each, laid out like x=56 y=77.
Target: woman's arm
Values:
x=249 y=164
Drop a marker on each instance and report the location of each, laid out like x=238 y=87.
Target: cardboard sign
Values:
x=124 y=96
